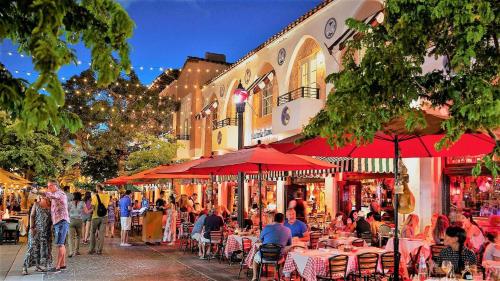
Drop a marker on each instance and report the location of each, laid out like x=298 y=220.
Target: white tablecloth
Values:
x=334 y=242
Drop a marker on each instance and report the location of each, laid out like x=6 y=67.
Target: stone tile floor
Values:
x=139 y=262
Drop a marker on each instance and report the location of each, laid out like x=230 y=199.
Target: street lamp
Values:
x=240 y=97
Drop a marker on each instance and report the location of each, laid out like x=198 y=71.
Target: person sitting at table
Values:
x=409 y=229
x=375 y=225
x=275 y=233
x=427 y=233
x=297 y=228
x=197 y=228
x=136 y=206
x=492 y=251
x=475 y=237
x=362 y=226
x=338 y=223
x=213 y=222
x=456 y=252
x=439 y=230
x=351 y=221
x=247 y=223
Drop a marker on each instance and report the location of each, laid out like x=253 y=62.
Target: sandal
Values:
x=25 y=271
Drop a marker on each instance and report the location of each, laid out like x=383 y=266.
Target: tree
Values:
x=37 y=155
x=101 y=168
x=45 y=31
x=387 y=81
x=151 y=152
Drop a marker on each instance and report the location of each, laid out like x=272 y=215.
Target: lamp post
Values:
x=239 y=97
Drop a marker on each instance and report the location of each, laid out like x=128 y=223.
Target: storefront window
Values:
x=476 y=195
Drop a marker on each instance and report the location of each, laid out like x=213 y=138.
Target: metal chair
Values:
x=384 y=233
x=246 y=246
x=216 y=238
x=436 y=250
x=358 y=242
x=367 y=236
x=387 y=261
x=337 y=268
x=185 y=236
x=413 y=264
x=11 y=231
x=270 y=254
x=136 y=227
x=367 y=265
x=314 y=239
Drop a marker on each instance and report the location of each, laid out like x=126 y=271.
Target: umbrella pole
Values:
x=260 y=197
x=396 y=205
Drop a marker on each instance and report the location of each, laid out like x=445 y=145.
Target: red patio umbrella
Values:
x=177 y=171
x=258 y=159
x=117 y=181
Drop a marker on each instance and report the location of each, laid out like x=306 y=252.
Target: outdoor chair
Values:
x=367 y=265
x=436 y=250
x=215 y=244
x=246 y=246
x=358 y=242
x=314 y=239
x=337 y=268
x=384 y=233
x=11 y=231
x=367 y=236
x=136 y=227
x=387 y=260
x=270 y=254
x=413 y=263
x=185 y=236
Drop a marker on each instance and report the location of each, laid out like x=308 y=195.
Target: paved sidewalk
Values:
x=12 y=258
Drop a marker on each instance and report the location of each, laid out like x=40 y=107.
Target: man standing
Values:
x=100 y=202
x=297 y=228
x=125 y=220
x=160 y=202
x=60 y=220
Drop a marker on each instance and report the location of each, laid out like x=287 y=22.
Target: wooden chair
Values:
x=270 y=254
x=367 y=265
x=358 y=242
x=216 y=238
x=436 y=250
x=314 y=239
x=387 y=261
x=246 y=246
x=337 y=268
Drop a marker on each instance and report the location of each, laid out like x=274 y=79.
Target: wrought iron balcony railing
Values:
x=224 y=122
x=302 y=92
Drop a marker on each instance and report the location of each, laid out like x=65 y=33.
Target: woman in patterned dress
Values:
x=39 y=251
x=110 y=226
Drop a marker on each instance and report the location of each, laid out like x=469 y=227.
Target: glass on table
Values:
x=447 y=267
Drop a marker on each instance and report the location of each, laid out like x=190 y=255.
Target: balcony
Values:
x=302 y=92
x=295 y=109
x=224 y=122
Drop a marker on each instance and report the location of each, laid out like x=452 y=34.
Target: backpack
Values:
x=101 y=209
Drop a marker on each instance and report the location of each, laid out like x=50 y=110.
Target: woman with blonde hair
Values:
x=410 y=225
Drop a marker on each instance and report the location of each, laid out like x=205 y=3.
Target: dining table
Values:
x=409 y=246
x=338 y=241
x=311 y=263
x=235 y=243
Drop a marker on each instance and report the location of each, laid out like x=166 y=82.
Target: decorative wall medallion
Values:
x=222 y=90
x=248 y=75
x=219 y=137
x=330 y=28
x=281 y=56
x=285 y=116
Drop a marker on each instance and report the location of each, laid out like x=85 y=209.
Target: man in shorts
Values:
x=125 y=219
x=60 y=220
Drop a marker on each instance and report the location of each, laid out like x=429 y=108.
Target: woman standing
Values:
x=170 y=231
x=456 y=252
x=76 y=210
x=409 y=229
x=110 y=226
x=39 y=250
x=87 y=217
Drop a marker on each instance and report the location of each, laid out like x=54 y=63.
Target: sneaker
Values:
x=54 y=270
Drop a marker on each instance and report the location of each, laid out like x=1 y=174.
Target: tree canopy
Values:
x=382 y=77
x=151 y=152
x=46 y=31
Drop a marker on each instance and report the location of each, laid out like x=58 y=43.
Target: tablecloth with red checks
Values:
x=234 y=243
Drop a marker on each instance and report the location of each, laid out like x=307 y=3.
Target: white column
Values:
x=430 y=189
x=421 y=202
x=247 y=195
x=330 y=195
x=280 y=195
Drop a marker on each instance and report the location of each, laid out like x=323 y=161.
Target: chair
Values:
x=358 y=242
x=185 y=236
x=136 y=227
x=270 y=254
x=246 y=246
x=367 y=236
x=436 y=250
x=384 y=233
x=413 y=264
x=337 y=268
x=387 y=261
x=314 y=239
x=216 y=239
x=184 y=217
x=11 y=231
x=367 y=265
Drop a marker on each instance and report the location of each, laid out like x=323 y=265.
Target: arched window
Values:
x=267 y=100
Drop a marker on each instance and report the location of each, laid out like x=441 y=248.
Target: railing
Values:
x=182 y=137
x=224 y=122
x=302 y=92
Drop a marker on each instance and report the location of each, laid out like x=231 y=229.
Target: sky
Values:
x=167 y=31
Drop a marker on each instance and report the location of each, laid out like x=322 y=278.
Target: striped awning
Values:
x=209 y=108
x=373 y=165
x=261 y=82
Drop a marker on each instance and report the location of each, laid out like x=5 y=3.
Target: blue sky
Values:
x=167 y=31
